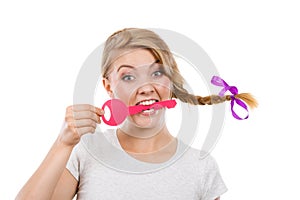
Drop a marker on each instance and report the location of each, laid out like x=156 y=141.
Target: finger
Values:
x=82 y=123
x=84 y=130
x=83 y=115
x=99 y=111
x=85 y=107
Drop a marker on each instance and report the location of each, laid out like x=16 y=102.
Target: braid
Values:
x=213 y=99
x=183 y=95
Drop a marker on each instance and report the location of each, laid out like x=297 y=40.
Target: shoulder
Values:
x=200 y=161
x=199 y=157
x=91 y=142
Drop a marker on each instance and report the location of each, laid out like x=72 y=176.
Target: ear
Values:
x=106 y=84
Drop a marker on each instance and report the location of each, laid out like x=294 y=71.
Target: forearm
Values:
x=43 y=182
x=79 y=120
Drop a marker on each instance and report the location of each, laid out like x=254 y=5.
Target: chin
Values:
x=149 y=119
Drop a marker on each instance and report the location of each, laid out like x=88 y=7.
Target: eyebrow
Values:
x=132 y=67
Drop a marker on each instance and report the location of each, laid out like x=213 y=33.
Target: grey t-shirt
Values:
x=105 y=171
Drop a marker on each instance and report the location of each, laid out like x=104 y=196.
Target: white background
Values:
x=254 y=44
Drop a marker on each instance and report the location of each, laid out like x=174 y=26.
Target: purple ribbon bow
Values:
x=216 y=80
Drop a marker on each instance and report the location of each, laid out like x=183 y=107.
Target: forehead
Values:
x=135 y=57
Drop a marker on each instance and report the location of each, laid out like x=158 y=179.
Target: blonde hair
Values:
x=132 y=38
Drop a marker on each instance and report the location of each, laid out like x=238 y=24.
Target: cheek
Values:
x=165 y=88
x=166 y=93
x=120 y=91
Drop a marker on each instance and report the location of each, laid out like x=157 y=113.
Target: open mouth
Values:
x=147 y=103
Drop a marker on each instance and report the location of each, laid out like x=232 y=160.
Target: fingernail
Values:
x=100 y=111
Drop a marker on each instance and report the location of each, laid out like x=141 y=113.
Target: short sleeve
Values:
x=73 y=164
x=214 y=185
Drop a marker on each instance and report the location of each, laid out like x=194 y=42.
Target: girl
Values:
x=140 y=159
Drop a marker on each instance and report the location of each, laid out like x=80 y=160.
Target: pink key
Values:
x=119 y=111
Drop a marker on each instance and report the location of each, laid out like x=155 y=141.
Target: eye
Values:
x=157 y=73
x=128 y=77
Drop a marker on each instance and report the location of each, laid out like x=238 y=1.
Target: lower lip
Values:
x=149 y=112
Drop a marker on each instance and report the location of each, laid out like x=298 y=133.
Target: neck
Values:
x=138 y=143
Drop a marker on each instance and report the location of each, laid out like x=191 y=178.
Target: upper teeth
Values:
x=146 y=103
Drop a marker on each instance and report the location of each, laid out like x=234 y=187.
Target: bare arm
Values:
x=52 y=179
x=66 y=188
x=42 y=183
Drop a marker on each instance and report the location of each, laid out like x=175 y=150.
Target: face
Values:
x=137 y=78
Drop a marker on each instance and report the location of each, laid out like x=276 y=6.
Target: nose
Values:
x=146 y=89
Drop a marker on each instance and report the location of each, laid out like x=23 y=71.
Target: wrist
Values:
x=61 y=144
